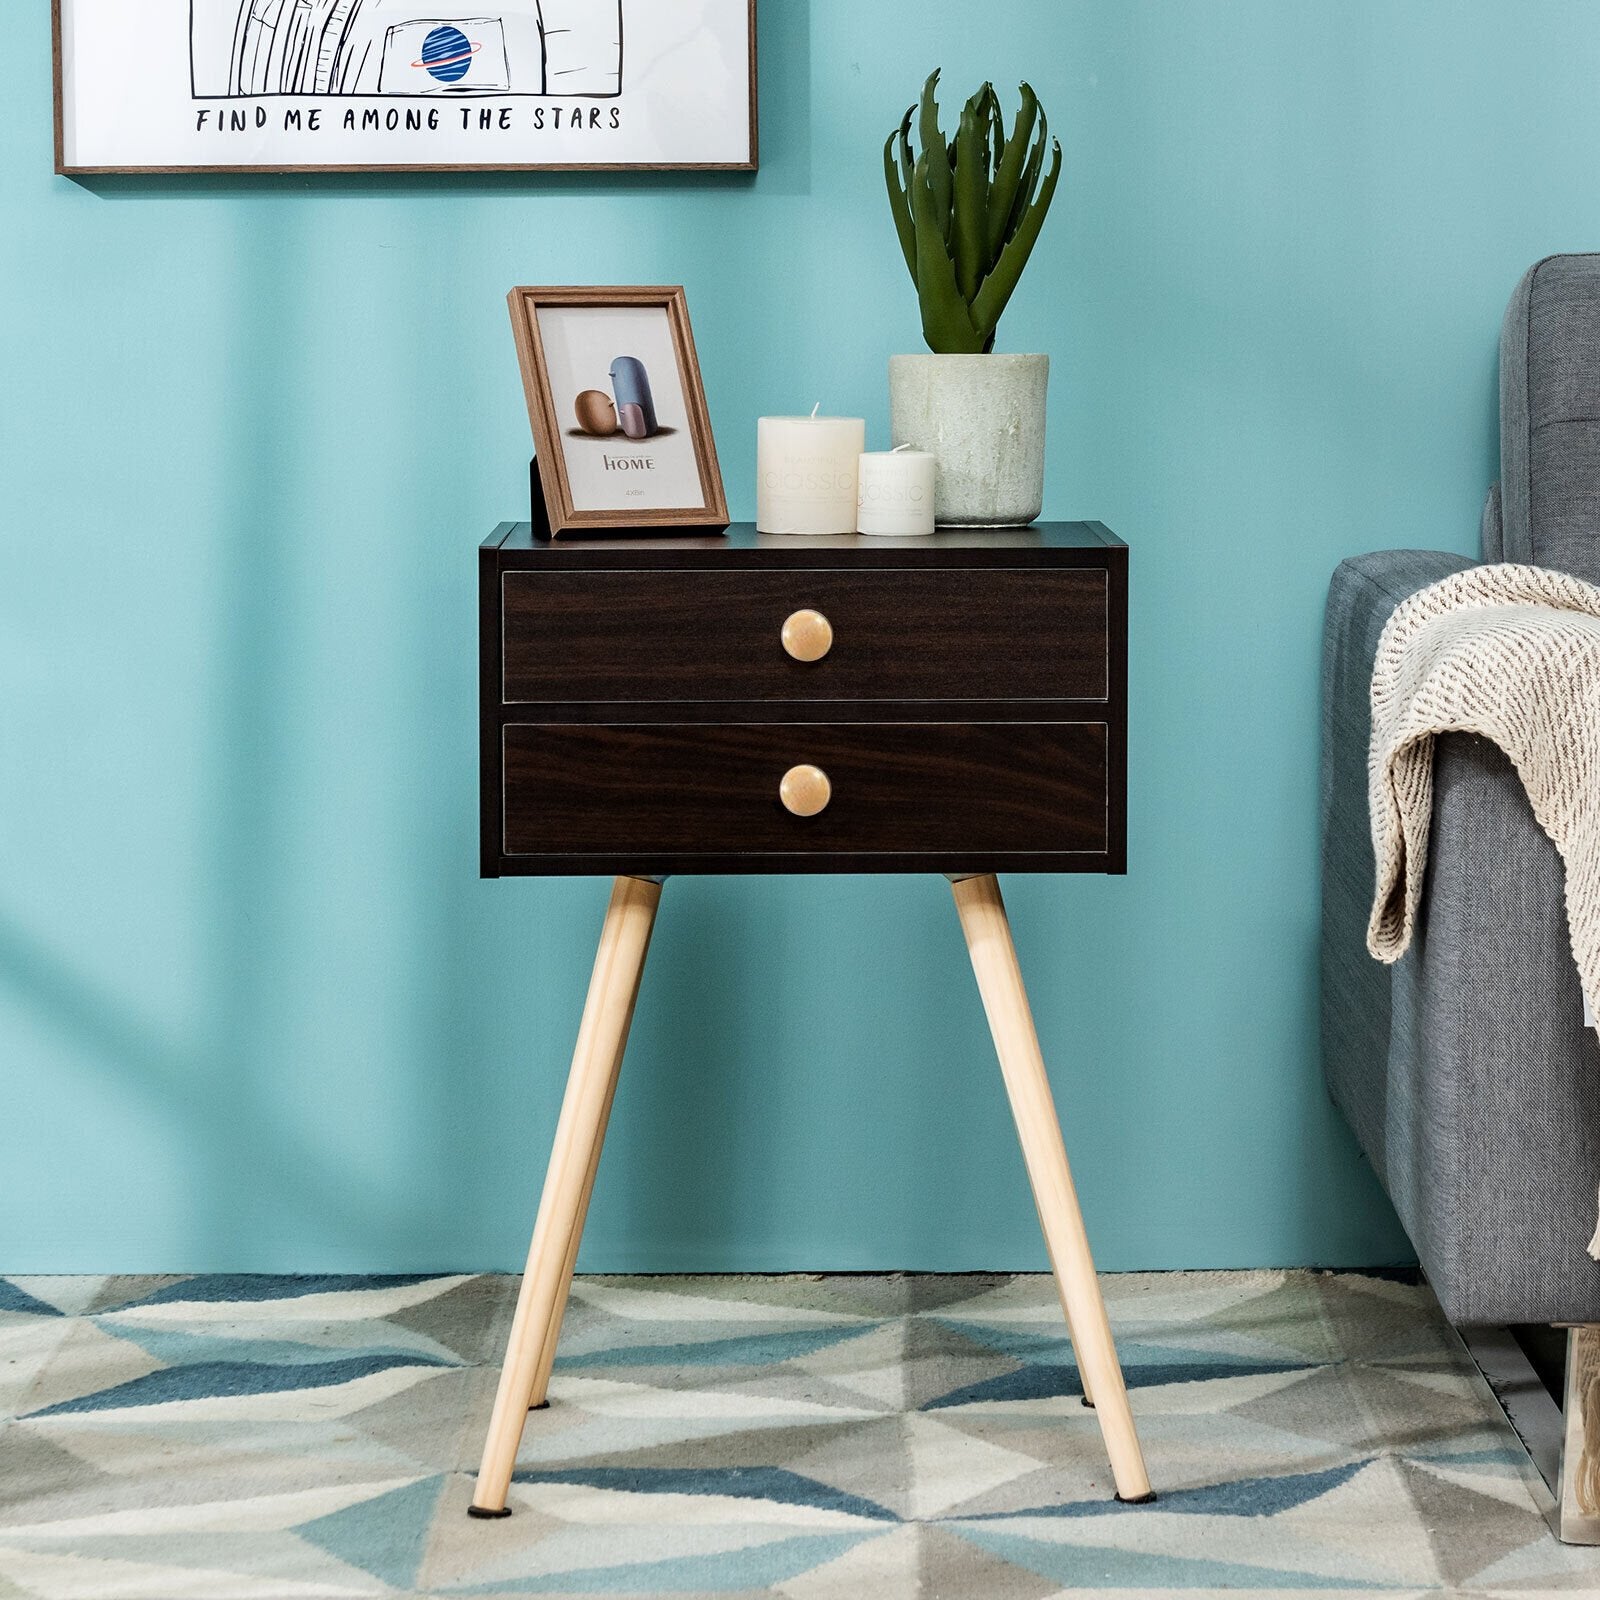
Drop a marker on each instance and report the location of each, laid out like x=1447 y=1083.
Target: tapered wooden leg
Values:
x=547 y=1356
x=591 y=1085
x=1072 y=1332
x=994 y=960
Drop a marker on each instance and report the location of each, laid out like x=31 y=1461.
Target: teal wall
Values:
x=256 y=1009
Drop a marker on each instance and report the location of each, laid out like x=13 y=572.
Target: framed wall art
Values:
x=620 y=425
x=404 y=85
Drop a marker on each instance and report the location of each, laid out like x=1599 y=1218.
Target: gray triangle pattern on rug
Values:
x=801 y=1437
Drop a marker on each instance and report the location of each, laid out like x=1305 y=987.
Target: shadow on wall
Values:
x=260 y=1164
x=197 y=1084
x=220 y=1090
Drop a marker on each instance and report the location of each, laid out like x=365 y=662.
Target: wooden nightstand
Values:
x=759 y=703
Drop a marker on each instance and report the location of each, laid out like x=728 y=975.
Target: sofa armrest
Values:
x=1465 y=1069
x=1356 y=990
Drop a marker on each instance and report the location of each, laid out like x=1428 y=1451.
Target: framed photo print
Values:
x=620 y=425
x=404 y=85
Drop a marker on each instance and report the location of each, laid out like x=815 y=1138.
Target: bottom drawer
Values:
x=682 y=790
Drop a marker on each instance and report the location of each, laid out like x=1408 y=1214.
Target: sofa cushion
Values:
x=1356 y=990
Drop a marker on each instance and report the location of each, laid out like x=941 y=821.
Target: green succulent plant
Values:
x=968 y=210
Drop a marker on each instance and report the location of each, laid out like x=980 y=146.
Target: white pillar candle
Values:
x=896 y=492
x=806 y=473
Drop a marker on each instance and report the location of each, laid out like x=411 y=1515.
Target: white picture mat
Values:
x=128 y=99
x=580 y=343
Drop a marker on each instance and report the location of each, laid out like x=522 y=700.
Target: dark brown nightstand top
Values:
x=1045 y=542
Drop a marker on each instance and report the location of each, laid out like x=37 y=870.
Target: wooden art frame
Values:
x=556 y=406
x=184 y=86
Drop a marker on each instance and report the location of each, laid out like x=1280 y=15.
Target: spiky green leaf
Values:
x=937 y=154
x=1029 y=186
x=969 y=220
x=900 y=205
x=946 y=322
x=907 y=160
x=1008 y=179
x=999 y=286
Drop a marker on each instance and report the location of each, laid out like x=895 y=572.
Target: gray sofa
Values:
x=1466 y=1070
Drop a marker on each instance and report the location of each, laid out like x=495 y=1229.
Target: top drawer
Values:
x=903 y=634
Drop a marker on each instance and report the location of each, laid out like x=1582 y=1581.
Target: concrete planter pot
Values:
x=983 y=417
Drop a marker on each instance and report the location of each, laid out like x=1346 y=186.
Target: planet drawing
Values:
x=447 y=54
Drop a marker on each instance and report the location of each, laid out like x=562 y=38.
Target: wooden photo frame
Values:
x=257 y=86
x=620 y=427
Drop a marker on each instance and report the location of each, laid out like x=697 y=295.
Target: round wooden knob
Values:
x=805 y=791
x=808 y=636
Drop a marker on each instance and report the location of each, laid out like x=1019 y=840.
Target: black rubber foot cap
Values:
x=543 y=1405
x=1086 y=1403
x=1137 y=1500
x=485 y=1514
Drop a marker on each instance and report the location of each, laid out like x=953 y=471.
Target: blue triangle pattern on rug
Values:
x=776 y=1484
x=1039 y=1381
x=15 y=1298
x=751 y=1568
x=174 y=1347
x=1055 y=1349
x=214 y=1287
x=1052 y=1349
x=1036 y=1382
x=206 y=1380
x=1243 y=1497
x=385 y=1536
x=749 y=1350
x=1077 y=1566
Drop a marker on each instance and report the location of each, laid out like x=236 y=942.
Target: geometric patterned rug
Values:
x=813 y=1438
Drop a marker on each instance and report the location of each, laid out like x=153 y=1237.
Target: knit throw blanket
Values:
x=1511 y=653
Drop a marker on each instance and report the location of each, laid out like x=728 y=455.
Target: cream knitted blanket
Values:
x=1512 y=653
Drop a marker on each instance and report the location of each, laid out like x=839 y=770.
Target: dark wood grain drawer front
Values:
x=682 y=789
x=902 y=634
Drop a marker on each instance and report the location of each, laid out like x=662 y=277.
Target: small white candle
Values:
x=896 y=494
x=806 y=473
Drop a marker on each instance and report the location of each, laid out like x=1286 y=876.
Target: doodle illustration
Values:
x=632 y=411
x=636 y=406
x=405 y=47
